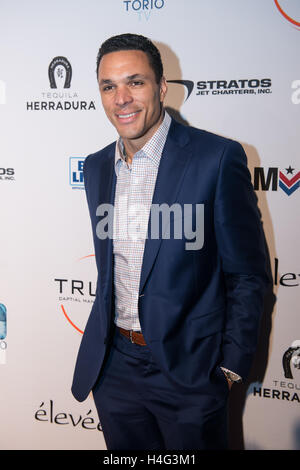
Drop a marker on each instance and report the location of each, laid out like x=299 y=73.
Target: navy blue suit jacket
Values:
x=198 y=309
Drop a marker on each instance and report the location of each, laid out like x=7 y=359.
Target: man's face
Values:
x=130 y=95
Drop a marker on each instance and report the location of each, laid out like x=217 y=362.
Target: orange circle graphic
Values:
x=291 y=20
x=70 y=321
x=63 y=309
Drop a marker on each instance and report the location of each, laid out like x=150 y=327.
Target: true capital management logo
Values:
x=76 y=291
x=3 y=333
x=290 y=11
x=274 y=179
x=60 y=96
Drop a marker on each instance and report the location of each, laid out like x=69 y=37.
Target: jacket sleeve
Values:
x=241 y=246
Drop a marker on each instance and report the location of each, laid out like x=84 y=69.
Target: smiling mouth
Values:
x=127 y=116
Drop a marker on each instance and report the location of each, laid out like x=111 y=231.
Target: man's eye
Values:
x=107 y=88
x=137 y=83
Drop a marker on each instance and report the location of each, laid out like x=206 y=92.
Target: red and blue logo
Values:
x=270 y=179
x=289 y=184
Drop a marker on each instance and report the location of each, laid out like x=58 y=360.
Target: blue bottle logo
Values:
x=3 y=327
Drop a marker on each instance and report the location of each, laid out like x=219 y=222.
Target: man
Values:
x=173 y=325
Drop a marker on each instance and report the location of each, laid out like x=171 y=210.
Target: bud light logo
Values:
x=3 y=333
x=76 y=172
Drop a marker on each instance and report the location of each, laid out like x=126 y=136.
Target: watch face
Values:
x=233 y=377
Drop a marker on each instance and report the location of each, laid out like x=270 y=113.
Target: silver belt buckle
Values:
x=130 y=335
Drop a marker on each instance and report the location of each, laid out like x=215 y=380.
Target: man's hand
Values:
x=231 y=377
x=230 y=383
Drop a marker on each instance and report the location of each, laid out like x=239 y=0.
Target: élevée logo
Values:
x=48 y=413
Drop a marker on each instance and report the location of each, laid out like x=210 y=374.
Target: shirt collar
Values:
x=152 y=149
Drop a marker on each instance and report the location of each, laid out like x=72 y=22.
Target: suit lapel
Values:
x=173 y=164
x=107 y=178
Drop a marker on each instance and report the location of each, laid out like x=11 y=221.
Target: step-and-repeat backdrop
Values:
x=233 y=69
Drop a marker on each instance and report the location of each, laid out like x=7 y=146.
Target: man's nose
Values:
x=123 y=96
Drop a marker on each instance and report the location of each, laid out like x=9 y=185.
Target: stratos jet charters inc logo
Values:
x=188 y=84
x=288 y=11
x=232 y=86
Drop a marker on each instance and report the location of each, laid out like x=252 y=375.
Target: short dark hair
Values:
x=128 y=41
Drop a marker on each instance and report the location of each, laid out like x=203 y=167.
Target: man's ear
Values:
x=163 y=89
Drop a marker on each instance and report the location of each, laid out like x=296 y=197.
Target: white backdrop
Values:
x=242 y=63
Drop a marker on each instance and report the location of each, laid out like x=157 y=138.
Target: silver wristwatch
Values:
x=232 y=376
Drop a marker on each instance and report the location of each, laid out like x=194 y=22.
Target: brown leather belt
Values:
x=133 y=336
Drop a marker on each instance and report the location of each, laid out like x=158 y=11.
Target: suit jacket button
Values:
x=105 y=340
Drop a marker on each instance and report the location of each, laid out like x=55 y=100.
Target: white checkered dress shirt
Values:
x=133 y=198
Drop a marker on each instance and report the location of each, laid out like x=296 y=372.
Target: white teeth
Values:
x=124 y=116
